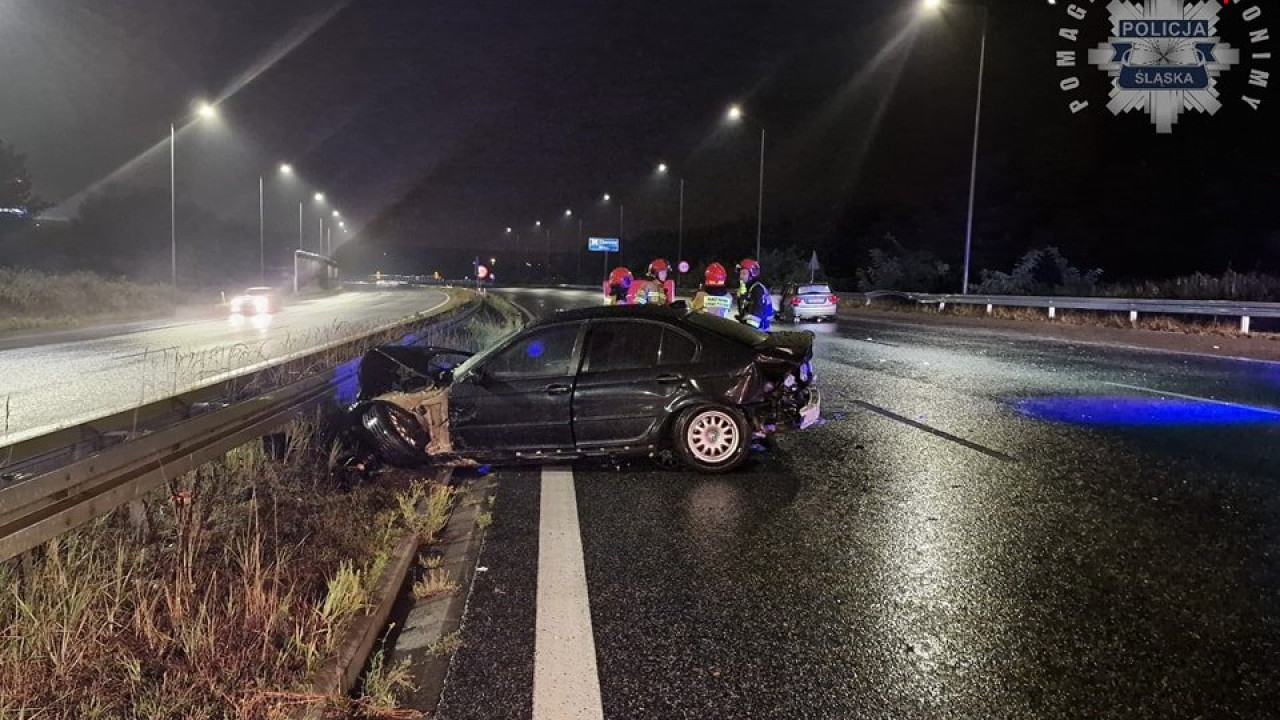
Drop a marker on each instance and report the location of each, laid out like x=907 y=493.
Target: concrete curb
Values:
x=337 y=677
x=427 y=621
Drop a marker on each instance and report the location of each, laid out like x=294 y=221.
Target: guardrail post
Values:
x=1053 y=312
x=1244 y=324
x=988 y=308
x=942 y=306
x=1133 y=317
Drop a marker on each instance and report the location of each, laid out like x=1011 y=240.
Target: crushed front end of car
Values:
x=401 y=415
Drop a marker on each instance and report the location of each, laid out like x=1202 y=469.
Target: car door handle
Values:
x=669 y=378
x=557 y=389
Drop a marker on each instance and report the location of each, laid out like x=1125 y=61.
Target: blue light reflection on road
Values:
x=1142 y=411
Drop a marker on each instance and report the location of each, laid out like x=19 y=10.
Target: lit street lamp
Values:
x=935 y=6
x=621 y=208
x=204 y=111
x=735 y=115
x=285 y=169
x=662 y=170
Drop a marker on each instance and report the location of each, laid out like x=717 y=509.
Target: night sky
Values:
x=440 y=123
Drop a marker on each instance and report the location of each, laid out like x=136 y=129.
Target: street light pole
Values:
x=973 y=163
x=300 y=245
x=173 y=211
x=262 y=234
x=680 y=235
x=760 y=197
x=680 y=225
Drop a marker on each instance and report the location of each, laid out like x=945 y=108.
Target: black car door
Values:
x=631 y=371
x=519 y=398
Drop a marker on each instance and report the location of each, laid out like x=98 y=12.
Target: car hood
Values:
x=392 y=368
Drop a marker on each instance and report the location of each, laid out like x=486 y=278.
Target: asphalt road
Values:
x=987 y=526
x=88 y=374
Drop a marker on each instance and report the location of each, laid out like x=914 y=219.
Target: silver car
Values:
x=801 y=302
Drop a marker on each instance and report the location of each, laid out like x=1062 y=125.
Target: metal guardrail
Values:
x=1222 y=308
x=76 y=488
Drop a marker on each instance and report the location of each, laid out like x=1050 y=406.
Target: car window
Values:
x=677 y=348
x=815 y=289
x=623 y=346
x=541 y=353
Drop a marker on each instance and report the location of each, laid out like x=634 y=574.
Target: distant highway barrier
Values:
x=1245 y=311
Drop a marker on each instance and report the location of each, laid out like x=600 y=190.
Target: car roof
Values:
x=259 y=289
x=614 y=312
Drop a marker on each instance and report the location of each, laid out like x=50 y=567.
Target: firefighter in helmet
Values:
x=655 y=288
x=714 y=298
x=617 y=286
x=755 y=306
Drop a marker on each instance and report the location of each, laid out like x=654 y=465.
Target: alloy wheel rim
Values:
x=713 y=436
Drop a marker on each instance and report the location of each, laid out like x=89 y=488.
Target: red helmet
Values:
x=620 y=276
x=657 y=266
x=715 y=275
x=751 y=266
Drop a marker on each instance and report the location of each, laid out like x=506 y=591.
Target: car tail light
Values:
x=796 y=300
x=835 y=300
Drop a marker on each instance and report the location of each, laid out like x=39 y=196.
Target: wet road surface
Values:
x=987 y=526
x=51 y=385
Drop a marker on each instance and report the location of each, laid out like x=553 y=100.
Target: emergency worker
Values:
x=655 y=288
x=617 y=286
x=755 y=307
x=714 y=298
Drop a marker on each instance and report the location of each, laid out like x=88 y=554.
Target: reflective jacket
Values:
x=719 y=302
x=755 y=307
x=651 y=292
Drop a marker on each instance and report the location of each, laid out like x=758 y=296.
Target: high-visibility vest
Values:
x=718 y=305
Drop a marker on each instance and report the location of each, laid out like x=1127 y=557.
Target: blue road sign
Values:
x=602 y=244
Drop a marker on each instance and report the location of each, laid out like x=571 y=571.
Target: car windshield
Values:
x=467 y=365
x=727 y=328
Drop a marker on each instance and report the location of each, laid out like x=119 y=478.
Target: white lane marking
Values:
x=1197 y=398
x=566 y=684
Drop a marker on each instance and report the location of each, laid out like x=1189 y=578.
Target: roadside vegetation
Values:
x=217 y=598
x=225 y=592
x=30 y=299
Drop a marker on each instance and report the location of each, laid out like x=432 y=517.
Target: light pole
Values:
x=607 y=198
x=262 y=234
x=662 y=170
x=735 y=115
x=204 y=111
x=319 y=198
x=936 y=5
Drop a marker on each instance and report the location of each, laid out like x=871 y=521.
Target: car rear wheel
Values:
x=711 y=438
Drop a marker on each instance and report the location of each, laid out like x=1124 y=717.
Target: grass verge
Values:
x=237 y=588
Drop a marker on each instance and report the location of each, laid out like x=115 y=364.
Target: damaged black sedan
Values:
x=598 y=382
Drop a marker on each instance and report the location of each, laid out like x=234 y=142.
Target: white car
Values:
x=256 y=301
x=811 y=301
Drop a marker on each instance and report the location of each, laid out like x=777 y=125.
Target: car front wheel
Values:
x=397 y=436
x=711 y=438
